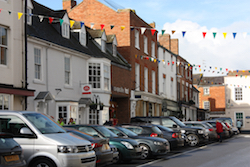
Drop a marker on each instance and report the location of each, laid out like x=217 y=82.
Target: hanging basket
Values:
x=93 y=106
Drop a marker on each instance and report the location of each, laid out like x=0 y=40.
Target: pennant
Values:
x=132 y=28
x=190 y=68
x=112 y=26
x=143 y=29
x=19 y=15
x=214 y=34
x=9 y=12
x=153 y=31
x=82 y=23
x=92 y=25
x=173 y=62
x=220 y=68
x=141 y=57
x=0 y=10
x=234 y=34
x=154 y=60
x=50 y=20
x=173 y=31
x=226 y=69
x=72 y=22
x=135 y=56
x=237 y=71
x=224 y=34
x=102 y=26
x=183 y=33
x=204 y=34
x=61 y=21
x=122 y=28
x=162 y=32
x=244 y=34
x=243 y=70
x=147 y=58
x=40 y=18
x=168 y=63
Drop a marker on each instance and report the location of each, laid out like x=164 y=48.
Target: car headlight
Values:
x=128 y=145
x=183 y=131
x=67 y=149
x=200 y=131
x=158 y=143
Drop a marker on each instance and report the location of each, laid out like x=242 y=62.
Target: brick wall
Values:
x=175 y=46
x=165 y=41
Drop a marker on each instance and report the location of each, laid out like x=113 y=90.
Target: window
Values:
x=153 y=49
x=182 y=91
x=145 y=79
x=238 y=94
x=106 y=77
x=95 y=75
x=206 y=105
x=3 y=45
x=29 y=16
x=103 y=46
x=206 y=91
x=83 y=40
x=65 y=30
x=153 y=82
x=137 y=39
x=137 y=76
x=239 y=117
x=67 y=70
x=4 y=102
x=145 y=45
x=114 y=50
x=93 y=117
x=186 y=93
x=63 y=113
x=37 y=59
x=164 y=86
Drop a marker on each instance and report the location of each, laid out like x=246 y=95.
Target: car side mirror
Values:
x=175 y=126
x=25 y=131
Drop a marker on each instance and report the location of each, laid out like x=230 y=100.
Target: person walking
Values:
x=71 y=122
x=219 y=129
x=239 y=125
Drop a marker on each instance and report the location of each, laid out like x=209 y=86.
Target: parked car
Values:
x=225 y=133
x=44 y=142
x=128 y=149
x=149 y=145
x=104 y=154
x=174 y=137
x=224 y=119
x=11 y=154
x=208 y=128
x=194 y=135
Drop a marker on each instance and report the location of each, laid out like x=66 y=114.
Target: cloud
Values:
x=215 y=52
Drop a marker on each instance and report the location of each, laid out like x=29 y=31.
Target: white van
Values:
x=44 y=142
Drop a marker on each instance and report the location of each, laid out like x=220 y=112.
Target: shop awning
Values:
x=44 y=96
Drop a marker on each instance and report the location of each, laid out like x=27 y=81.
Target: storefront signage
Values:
x=247 y=117
x=86 y=89
x=121 y=90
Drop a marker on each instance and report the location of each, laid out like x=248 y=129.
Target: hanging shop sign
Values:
x=86 y=89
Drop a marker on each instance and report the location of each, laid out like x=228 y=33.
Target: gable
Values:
x=66 y=19
x=29 y=4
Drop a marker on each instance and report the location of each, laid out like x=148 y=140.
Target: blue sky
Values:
x=195 y=17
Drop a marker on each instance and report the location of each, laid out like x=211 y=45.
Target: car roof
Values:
x=20 y=112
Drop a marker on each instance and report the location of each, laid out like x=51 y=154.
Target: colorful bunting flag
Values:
x=153 y=31
x=234 y=34
x=214 y=34
x=61 y=21
x=162 y=32
x=122 y=28
x=72 y=22
x=40 y=18
x=0 y=10
x=19 y=15
x=244 y=34
x=50 y=20
x=102 y=26
x=204 y=34
x=173 y=31
x=224 y=34
x=143 y=29
x=183 y=33
x=82 y=23
x=92 y=25
x=112 y=26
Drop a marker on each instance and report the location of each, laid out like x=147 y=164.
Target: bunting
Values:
x=40 y=18
x=51 y=19
x=61 y=21
x=102 y=26
x=143 y=29
x=112 y=26
x=122 y=28
x=19 y=15
x=183 y=33
x=153 y=31
x=72 y=22
x=82 y=23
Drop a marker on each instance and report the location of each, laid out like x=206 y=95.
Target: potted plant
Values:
x=93 y=106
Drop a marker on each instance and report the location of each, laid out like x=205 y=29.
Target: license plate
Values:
x=10 y=158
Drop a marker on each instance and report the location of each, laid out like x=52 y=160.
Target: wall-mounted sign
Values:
x=86 y=89
x=247 y=117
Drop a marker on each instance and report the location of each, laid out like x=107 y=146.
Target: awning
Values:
x=85 y=101
x=44 y=96
x=10 y=89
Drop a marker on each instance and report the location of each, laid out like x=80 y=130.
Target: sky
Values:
x=214 y=55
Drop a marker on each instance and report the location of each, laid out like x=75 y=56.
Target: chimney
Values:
x=69 y=4
x=175 y=46
x=152 y=25
x=165 y=41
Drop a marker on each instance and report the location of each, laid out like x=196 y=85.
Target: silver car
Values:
x=44 y=142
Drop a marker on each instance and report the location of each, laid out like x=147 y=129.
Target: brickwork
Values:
x=165 y=41
x=175 y=46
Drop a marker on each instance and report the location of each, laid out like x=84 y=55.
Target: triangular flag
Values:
x=173 y=31
x=9 y=12
x=163 y=31
x=19 y=15
x=204 y=34
x=40 y=18
x=153 y=31
x=214 y=34
x=50 y=20
x=92 y=25
x=234 y=34
x=135 y=56
x=244 y=34
x=122 y=28
x=0 y=10
x=132 y=28
x=143 y=29
x=183 y=33
x=112 y=26
x=224 y=34
x=102 y=26
x=61 y=21
x=72 y=22
x=82 y=23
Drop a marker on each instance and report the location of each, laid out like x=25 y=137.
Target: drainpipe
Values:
x=25 y=46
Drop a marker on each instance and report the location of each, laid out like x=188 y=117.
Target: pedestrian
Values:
x=71 y=122
x=239 y=125
x=219 y=130
x=60 y=121
x=189 y=119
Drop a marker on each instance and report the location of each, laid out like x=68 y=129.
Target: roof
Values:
x=44 y=96
x=198 y=79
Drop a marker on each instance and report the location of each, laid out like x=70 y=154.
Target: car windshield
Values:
x=105 y=131
x=127 y=132
x=8 y=143
x=178 y=122
x=44 y=124
x=164 y=128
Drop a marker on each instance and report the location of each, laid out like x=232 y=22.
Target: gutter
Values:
x=26 y=52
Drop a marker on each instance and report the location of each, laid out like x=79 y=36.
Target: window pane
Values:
x=3 y=55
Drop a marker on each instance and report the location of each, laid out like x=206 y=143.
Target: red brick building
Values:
x=137 y=47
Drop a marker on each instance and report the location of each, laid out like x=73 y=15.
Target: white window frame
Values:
x=63 y=112
x=145 y=79
x=106 y=72
x=65 y=30
x=137 y=77
x=206 y=105
x=238 y=92
x=29 y=16
x=94 y=117
x=67 y=70
x=164 y=86
x=153 y=49
x=137 y=39
x=83 y=38
x=37 y=64
x=95 y=75
x=145 y=41
x=206 y=91
x=238 y=117
x=4 y=101
x=103 y=45
x=4 y=46
x=153 y=82
x=114 y=47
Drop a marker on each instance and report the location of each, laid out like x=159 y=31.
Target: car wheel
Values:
x=145 y=151
x=42 y=163
x=193 y=140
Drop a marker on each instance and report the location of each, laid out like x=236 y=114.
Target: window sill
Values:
x=68 y=86
x=37 y=81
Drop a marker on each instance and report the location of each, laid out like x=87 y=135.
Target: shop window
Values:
x=4 y=102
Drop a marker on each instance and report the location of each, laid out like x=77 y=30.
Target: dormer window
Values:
x=65 y=30
x=82 y=36
x=103 y=42
x=114 y=50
